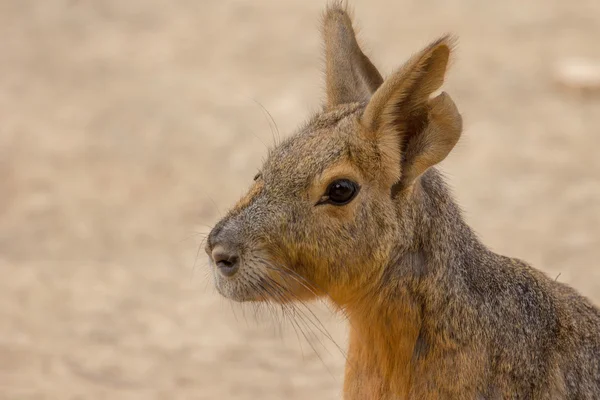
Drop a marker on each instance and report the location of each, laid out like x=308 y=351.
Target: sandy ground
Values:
x=128 y=127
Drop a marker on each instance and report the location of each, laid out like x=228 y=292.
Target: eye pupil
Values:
x=340 y=192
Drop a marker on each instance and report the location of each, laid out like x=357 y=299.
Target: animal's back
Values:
x=580 y=344
x=543 y=337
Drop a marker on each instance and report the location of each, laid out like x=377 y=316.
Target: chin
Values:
x=227 y=292
x=236 y=292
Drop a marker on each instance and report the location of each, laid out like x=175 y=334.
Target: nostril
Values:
x=227 y=262
x=228 y=267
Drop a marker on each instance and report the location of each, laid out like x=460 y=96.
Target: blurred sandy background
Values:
x=126 y=127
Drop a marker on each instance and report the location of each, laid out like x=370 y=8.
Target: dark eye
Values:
x=340 y=192
x=257 y=176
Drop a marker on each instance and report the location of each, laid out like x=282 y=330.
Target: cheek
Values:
x=329 y=242
x=340 y=236
x=367 y=237
x=305 y=242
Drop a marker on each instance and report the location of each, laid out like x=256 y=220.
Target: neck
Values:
x=398 y=317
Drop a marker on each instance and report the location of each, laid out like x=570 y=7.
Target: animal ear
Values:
x=412 y=130
x=349 y=74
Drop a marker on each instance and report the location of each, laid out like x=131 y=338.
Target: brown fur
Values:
x=433 y=313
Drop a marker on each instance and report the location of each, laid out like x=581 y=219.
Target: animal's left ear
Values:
x=349 y=74
x=413 y=131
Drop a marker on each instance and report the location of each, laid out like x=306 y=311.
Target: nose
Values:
x=226 y=261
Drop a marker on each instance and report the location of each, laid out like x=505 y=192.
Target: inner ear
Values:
x=403 y=96
x=431 y=142
x=349 y=74
x=414 y=132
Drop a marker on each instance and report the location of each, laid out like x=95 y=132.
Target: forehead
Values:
x=321 y=142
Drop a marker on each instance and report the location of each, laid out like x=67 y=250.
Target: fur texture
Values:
x=433 y=313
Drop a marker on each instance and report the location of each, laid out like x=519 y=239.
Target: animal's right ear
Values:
x=349 y=74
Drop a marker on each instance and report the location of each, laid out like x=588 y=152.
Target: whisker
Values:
x=299 y=279
x=274 y=124
x=269 y=121
x=260 y=140
x=244 y=314
x=300 y=319
x=215 y=204
x=233 y=311
x=270 y=305
x=193 y=235
x=318 y=324
x=287 y=272
x=197 y=255
x=294 y=321
x=287 y=311
x=310 y=341
x=312 y=287
x=302 y=281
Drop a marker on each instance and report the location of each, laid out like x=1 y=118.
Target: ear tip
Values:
x=448 y=42
x=336 y=11
x=441 y=49
x=337 y=28
x=336 y=6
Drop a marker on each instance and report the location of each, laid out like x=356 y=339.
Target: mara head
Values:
x=331 y=202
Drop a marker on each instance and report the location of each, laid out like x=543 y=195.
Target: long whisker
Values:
x=318 y=324
x=298 y=278
x=287 y=272
x=282 y=269
x=263 y=292
x=280 y=297
x=214 y=203
x=197 y=255
x=314 y=288
x=269 y=120
x=272 y=305
x=192 y=235
x=233 y=311
x=272 y=284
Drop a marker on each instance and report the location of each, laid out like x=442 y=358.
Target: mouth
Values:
x=258 y=279
x=239 y=286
